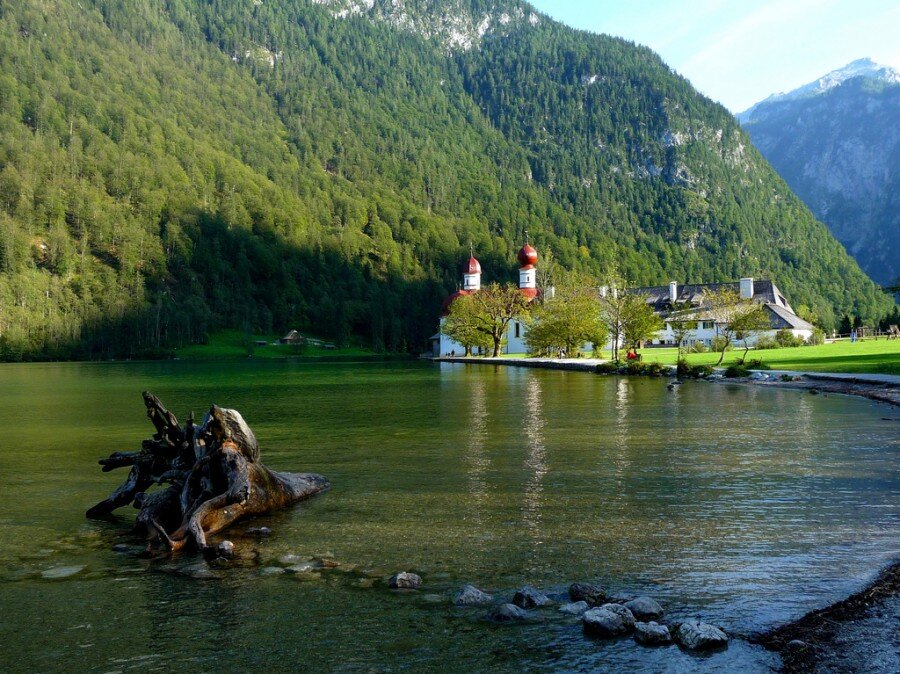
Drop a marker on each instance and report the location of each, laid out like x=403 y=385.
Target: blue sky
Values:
x=740 y=51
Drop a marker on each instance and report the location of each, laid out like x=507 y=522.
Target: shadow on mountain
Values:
x=227 y=277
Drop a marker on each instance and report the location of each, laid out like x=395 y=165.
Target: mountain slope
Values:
x=168 y=169
x=836 y=142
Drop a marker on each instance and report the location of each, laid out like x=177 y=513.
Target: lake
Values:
x=745 y=505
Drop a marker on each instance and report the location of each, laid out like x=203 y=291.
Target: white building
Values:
x=514 y=341
x=686 y=300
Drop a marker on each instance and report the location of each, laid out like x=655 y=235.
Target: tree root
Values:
x=214 y=474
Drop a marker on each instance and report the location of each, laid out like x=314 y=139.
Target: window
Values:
x=708 y=325
x=518 y=329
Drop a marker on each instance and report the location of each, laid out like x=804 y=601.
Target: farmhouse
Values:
x=686 y=302
x=673 y=302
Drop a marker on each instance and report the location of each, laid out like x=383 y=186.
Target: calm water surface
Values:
x=747 y=506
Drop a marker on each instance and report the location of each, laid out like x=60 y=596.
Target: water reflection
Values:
x=535 y=459
x=476 y=460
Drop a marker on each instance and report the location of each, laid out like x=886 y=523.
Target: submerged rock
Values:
x=405 y=581
x=575 y=608
x=589 y=592
x=272 y=571
x=259 y=531
x=506 y=613
x=700 y=636
x=60 y=572
x=604 y=623
x=530 y=597
x=644 y=608
x=470 y=595
x=651 y=633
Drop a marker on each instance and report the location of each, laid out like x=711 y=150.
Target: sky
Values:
x=738 y=52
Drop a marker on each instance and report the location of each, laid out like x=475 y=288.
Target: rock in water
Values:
x=592 y=594
x=470 y=595
x=60 y=572
x=626 y=615
x=405 y=581
x=644 y=608
x=651 y=634
x=575 y=608
x=225 y=549
x=700 y=636
x=601 y=622
x=530 y=597
x=507 y=613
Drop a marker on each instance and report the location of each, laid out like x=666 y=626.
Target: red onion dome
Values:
x=450 y=299
x=473 y=266
x=527 y=256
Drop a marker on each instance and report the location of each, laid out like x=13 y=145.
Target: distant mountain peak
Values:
x=457 y=24
x=864 y=67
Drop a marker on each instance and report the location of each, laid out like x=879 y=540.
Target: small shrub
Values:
x=766 y=342
x=655 y=370
x=687 y=371
x=786 y=339
x=608 y=368
x=697 y=347
x=756 y=364
x=737 y=370
x=816 y=338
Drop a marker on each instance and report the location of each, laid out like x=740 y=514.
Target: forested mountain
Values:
x=836 y=142
x=169 y=168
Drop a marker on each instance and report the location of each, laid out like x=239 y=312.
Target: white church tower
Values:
x=471 y=284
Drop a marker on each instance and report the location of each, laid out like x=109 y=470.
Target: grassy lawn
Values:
x=233 y=344
x=874 y=357
x=870 y=357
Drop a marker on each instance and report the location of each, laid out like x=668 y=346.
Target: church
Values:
x=471 y=283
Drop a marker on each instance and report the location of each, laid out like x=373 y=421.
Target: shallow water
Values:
x=746 y=506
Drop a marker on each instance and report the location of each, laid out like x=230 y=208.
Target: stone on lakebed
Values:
x=696 y=635
x=530 y=597
x=575 y=608
x=507 y=613
x=602 y=622
x=470 y=595
x=589 y=592
x=61 y=572
x=651 y=633
x=644 y=608
x=405 y=581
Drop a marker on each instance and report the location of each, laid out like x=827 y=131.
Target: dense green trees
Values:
x=167 y=169
x=568 y=319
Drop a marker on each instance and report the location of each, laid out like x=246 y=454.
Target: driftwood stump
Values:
x=214 y=477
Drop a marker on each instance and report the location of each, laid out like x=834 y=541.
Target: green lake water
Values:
x=747 y=506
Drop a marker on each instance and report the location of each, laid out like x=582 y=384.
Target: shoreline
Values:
x=880 y=388
x=841 y=631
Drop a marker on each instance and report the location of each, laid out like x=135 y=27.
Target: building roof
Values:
x=473 y=266
x=782 y=318
x=450 y=299
x=527 y=256
x=764 y=292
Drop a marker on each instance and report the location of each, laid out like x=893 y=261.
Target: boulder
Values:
x=651 y=634
x=405 y=581
x=530 y=597
x=696 y=635
x=644 y=608
x=575 y=608
x=470 y=595
x=601 y=622
x=507 y=613
x=592 y=594
x=626 y=615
